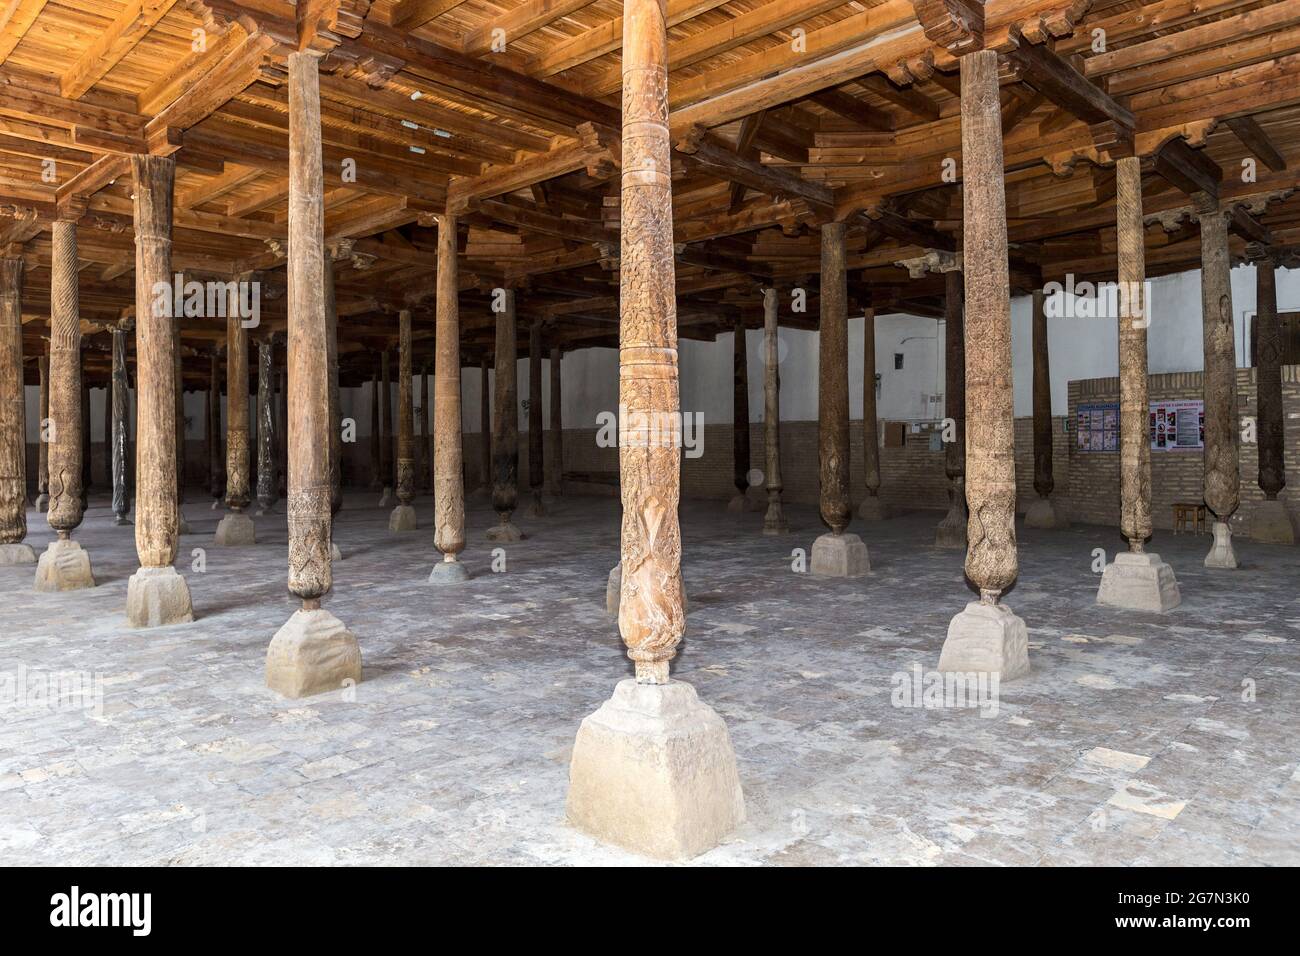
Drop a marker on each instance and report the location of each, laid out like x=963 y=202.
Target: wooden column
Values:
x=991 y=560
x=485 y=428
x=385 y=426
x=335 y=412
x=266 y=483
x=1222 y=455
x=505 y=431
x=833 y=382
x=1134 y=412
x=448 y=476
x=740 y=463
x=536 y=468
x=555 y=437
x=65 y=383
x=107 y=472
x=281 y=429
x=871 y=508
x=423 y=457
x=1268 y=336
x=313 y=651
x=774 y=521
x=1042 y=512
x=216 y=470
x=403 y=516
x=121 y=400
x=376 y=439
x=237 y=443
x=43 y=446
x=13 y=419
x=178 y=420
x=951 y=532
x=87 y=479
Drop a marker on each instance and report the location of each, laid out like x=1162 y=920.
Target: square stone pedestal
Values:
x=1221 y=554
x=156 y=597
x=1139 y=582
x=64 y=566
x=1045 y=513
x=402 y=518
x=505 y=531
x=20 y=553
x=653 y=772
x=871 y=508
x=839 y=556
x=235 y=530
x=448 y=572
x=311 y=654
x=1271 y=523
x=987 y=639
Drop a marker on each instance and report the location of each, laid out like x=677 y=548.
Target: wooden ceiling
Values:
x=785 y=114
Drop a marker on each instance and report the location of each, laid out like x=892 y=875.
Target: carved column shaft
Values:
x=423 y=458
x=376 y=439
x=954 y=344
x=213 y=409
x=332 y=365
x=485 y=425
x=237 y=447
x=505 y=431
x=1268 y=376
x=386 y=437
x=774 y=520
x=740 y=463
x=405 y=413
x=13 y=412
x=156 y=514
x=308 y=506
x=1043 y=480
x=266 y=483
x=87 y=479
x=833 y=382
x=1134 y=412
x=65 y=382
x=870 y=436
x=1222 y=464
x=555 y=437
x=107 y=472
x=536 y=469
x=991 y=560
x=178 y=419
x=43 y=446
x=121 y=409
x=650 y=615
x=449 y=479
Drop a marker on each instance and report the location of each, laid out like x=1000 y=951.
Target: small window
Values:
x=898 y=360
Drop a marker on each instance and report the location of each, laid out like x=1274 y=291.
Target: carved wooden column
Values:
x=774 y=520
x=535 y=437
x=871 y=507
x=403 y=516
x=555 y=437
x=156 y=594
x=1136 y=579
x=281 y=429
x=385 y=430
x=835 y=554
x=178 y=397
x=335 y=412
x=216 y=458
x=266 y=483
x=43 y=445
x=313 y=652
x=627 y=771
x=505 y=431
x=1043 y=512
x=87 y=478
x=1271 y=521
x=236 y=528
x=376 y=456
x=120 y=403
x=13 y=420
x=423 y=454
x=64 y=566
x=107 y=473
x=485 y=429
x=987 y=636
x=951 y=532
x=1222 y=455
x=740 y=464
x=448 y=454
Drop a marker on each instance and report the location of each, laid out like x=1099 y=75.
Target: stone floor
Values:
x=1136 y=739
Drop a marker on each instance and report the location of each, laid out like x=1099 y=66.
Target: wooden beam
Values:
x=914 y=102
x=778 y=183
x=1257 y=141
x=1188 y=169
x=412 y=14
x=749 y=128
x=1248 y=227
x=1065 y=86
x=565 y=158
x=854 y=109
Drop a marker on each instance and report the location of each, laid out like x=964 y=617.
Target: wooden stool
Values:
x=1185 y=511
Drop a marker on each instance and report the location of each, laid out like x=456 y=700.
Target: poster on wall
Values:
x=1178 y=426
x=1097 y=427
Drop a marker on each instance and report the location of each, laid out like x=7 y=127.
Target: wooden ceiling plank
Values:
x=413 y=14
x=527 y=18
x=15 y=21
x=109 y=48
x=606 y=38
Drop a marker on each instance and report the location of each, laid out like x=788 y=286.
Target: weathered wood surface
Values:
x=238 y=491
x=870 y=434
x=1268 y=372
x=536 y=442
x=505 y=425
x=1222 y=455
x=1042 y=396
x=774 y=521
x=405 y=413
x=833 y=382
x=1134 y=428
x=448 y=479
x=13 y=428
x=740 y=464
x=65 y=450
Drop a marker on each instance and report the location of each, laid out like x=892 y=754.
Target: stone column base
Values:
x=20 y=553
x=951 y=532
x=537 y=509
x=986 y=638
x=448 y=571
x=873 y=509
x=402 y=519
x=1271 y=523
x=755 y=499
x=1139 y=582
x=774 y=521
x=1221 y=554
x=235 y=530
x=64 y=566
x=1044 y=513
x=653 y=772
x=613 y=589
x=505 y=531
x=156 y=597
x=312 y=653
x=42 y=503
x=736 y=504
x=839 y=556
x=385 y=497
